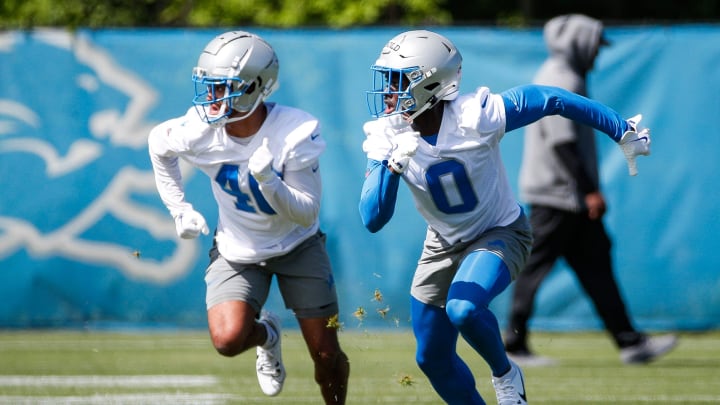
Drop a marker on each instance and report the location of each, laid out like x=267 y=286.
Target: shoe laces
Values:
x=505 y=392
x=267 y=364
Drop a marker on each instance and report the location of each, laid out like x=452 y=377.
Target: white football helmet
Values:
x=421 y=67
x=238 y=69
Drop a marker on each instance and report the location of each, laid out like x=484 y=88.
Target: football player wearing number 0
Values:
x=262 y=161
x=445 y=146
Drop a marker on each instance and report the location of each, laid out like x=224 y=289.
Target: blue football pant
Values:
x=480 y=278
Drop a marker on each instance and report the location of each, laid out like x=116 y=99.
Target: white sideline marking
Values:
x=121 y=399
x=677 y=399
x=108 y=380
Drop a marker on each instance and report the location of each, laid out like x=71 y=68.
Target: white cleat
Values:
x=510 y=388
x=269 y=365
x=648 y=350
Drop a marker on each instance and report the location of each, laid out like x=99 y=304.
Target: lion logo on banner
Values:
x=73 y=155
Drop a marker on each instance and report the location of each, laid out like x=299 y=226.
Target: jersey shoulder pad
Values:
x=177 y=134
x=481 y=111
x=162 y=140
x=299 y=134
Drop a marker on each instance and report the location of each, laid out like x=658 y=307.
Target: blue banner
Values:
x=86 y=242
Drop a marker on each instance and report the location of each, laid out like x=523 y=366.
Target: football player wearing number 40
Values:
x=445 y=147
x=262 y=160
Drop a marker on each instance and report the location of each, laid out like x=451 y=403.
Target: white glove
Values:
x=405 y=146
x=635 y=142
x=189 y=224
x=398 y=123
x=260 y=163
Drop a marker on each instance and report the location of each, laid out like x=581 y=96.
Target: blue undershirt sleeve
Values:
x=527 y=104
x=378 y=197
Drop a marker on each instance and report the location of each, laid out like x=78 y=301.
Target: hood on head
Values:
x=576 y=38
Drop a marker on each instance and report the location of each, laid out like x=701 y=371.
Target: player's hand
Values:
x=398 y=123
x=595 y=203
x=260 y=163
x=635 y=142
x=405 y=145
x=189 y=224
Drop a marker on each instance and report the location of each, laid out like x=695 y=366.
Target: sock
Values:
x=272 y=337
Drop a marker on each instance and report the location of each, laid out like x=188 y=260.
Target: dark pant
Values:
x=585 y=246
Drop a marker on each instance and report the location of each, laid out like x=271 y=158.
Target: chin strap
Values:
x=236 y=119
x=422 y=109
x=432 y=101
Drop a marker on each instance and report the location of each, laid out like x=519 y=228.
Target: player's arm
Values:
x=297 y=195
x=378 y=196
x=527 y=104
x=168 y=177
x=168 y=180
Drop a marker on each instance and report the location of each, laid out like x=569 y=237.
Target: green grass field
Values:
x=183 y=368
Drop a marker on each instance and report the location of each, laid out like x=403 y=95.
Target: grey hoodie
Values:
x=547 y=177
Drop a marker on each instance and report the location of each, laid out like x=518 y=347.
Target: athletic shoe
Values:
x=510 y=388
x=269 y=365
x=527 y=358
x=648 y=350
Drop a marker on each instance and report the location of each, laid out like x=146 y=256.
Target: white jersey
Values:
x=252 y=225
x=459 y=185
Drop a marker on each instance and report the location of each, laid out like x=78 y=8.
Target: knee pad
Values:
x=460 y=312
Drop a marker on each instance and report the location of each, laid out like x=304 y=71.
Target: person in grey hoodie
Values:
x=559 y=182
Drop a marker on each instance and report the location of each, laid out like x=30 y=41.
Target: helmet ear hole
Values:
x=254 y=85
x=430 y=87
x=251 y=88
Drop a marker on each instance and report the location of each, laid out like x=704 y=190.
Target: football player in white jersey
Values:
x=262 y=160
x=445 y=146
